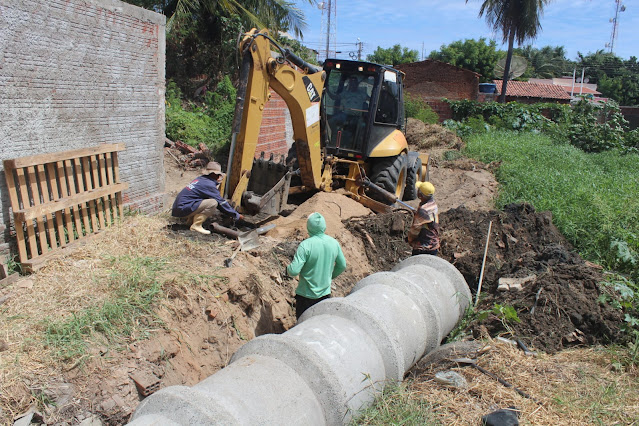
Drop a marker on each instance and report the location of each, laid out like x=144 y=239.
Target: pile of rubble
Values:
x=187 y=156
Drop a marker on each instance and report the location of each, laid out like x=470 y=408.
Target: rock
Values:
x=514 y=284
x=452 y=379
x=91 y=421
x=3 y=346
x=504 y=417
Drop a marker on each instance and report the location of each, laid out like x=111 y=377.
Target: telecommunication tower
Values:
x=615 y=25
x=329 y=29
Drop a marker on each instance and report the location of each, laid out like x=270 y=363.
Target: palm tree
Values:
x=516 y=19
x=273 y=14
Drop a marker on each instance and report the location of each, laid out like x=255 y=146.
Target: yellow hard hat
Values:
x=426 y=188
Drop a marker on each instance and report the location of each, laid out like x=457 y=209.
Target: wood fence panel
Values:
x=62 y=197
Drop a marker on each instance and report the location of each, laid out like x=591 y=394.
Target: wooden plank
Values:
x=44 y=188
x=87 y=181
x=84 y=209
x=24 y=196
x=61 y=156
x=65 y=193
x=116 y=177
x=41 y=235
x=55 y=195
x=112 y=206
x=99 y=184
x=73 y=191
x=71 y=201
x=15 y=205
x=103 y=182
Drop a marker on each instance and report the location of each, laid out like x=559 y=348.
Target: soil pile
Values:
x=526 y=248
x=422 y=137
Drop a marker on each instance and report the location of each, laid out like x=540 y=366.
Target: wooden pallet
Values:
x=62 y=198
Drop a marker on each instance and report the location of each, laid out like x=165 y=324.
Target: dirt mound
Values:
x=422 y=136
x=557 y=282
x=525 y=247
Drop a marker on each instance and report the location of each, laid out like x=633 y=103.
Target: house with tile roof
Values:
x=531 y=93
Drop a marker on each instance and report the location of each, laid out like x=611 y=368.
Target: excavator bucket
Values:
x=268 y=187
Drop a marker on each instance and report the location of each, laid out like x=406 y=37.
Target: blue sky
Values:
x=425 y=25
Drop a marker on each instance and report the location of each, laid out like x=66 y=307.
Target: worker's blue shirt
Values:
x=203 y=187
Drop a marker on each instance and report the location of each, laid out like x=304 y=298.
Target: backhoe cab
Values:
x=348 y=128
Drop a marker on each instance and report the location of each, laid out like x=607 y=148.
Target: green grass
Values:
x=594 y=198
x=397 y=405
x=129 y=309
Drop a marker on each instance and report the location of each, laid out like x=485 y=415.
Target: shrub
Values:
x=209 y=123
x=418 y=109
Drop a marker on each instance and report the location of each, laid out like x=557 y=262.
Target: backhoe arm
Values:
x=301 y=90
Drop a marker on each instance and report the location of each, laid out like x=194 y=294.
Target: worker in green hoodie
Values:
x=317 y=261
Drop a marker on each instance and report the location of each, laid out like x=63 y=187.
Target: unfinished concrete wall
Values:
x=77 y=73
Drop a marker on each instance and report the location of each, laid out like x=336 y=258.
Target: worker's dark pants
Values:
x=303 y=303
x=431 y=252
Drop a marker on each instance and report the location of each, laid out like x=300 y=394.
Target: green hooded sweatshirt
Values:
x=317 y=261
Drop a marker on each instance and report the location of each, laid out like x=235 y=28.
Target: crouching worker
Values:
x=200 y=198
x=423 y=235
x=317 y=261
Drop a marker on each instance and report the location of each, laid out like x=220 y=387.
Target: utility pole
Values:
x=620 y=7
x=422 y=50
x=329 y=27
x=359 y=49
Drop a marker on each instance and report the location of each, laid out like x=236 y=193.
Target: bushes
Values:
x=209 y=123
x=590 y=127
x=420 y=110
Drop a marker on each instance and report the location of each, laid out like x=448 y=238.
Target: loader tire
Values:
x=390 y=174
x=412 y=176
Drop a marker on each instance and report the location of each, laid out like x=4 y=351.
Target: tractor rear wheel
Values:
x=412 y=176
x=390 y=174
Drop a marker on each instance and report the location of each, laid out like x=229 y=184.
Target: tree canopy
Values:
x=393 y=56
x=517 y=20
x=546 y=62
x=474 y=55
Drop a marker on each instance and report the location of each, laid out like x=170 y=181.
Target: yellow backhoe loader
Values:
x=348 y=127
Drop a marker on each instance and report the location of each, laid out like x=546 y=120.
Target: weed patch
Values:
x=135 y=284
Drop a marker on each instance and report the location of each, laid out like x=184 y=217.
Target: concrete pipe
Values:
x=334 y=362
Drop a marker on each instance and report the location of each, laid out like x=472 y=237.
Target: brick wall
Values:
x=276 y=133
x=77 y=73
x=433 y=80
x=632 y=115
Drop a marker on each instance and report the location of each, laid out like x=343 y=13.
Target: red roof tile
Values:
x=524 y=89
x=578 y=88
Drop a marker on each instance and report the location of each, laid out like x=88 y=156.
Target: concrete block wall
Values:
x=276 y=133
x=333 y=363
x=78 y=73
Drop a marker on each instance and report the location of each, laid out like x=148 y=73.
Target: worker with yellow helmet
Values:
x=423 y=235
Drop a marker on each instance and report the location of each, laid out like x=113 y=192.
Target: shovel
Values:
x=248 y=240
x=229 y=260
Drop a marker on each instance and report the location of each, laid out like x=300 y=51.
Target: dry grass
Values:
x=574 y=387
x=85 y=278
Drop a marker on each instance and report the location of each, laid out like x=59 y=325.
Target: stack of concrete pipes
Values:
x=334 y=362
